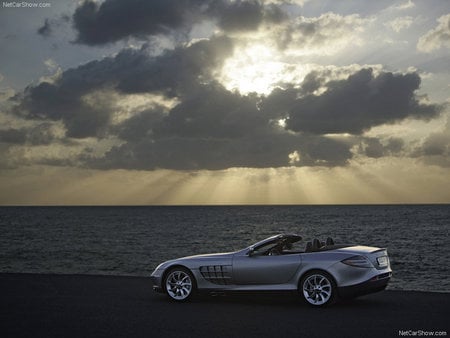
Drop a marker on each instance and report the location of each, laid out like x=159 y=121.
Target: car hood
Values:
x=194 y=262
x=214 y=256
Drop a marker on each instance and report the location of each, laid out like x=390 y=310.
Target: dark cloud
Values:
x=374 y=147
x=351 y=105
x=63 y=101
x=141 y=125
x=45 y=30
x=241 y=15
x=437 y=144
x=174 y=73
x=255 y=151
x=215 y=129
x=113 y=20
x=50 y=25
x=213 y=111
x=40 y=134
x=361 y=101
x=178 y=71
x=245 y=15
x=394 y=145
x=211 y=127
x=324 y=151
x=436 y=148
x=13 y=136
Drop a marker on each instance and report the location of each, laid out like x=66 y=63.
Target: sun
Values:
x=257 y=68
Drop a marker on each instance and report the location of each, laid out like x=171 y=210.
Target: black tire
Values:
x=318 y=288
x=179 y=284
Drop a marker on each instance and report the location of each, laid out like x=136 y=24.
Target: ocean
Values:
x=122 y=240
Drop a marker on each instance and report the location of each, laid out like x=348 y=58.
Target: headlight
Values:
x=358 y=261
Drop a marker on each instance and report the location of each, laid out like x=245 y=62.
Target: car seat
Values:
x=316 y=245
x=308 y=247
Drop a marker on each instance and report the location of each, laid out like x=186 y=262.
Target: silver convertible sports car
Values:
x=321 y=272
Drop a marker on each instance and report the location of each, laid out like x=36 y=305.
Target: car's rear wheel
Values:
x=179 y=284
x=318 y=288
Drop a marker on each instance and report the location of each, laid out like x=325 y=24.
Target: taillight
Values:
x=358 y=261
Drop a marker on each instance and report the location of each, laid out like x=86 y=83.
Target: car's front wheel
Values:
x=318 y=288
x=179 y=284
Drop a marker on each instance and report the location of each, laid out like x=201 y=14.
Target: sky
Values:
x=136 y=102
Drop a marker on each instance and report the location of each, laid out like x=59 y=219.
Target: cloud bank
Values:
x=113 y=20
x=210 y=127
x=189 y=120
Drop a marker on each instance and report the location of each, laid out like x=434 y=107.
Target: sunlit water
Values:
x=133 y=240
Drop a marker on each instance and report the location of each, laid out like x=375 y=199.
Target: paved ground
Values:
x=99 y=306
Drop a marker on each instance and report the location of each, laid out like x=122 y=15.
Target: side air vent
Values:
x=217 y=274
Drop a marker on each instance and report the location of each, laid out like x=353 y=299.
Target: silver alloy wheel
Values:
x=317 y=289
x=179 y=285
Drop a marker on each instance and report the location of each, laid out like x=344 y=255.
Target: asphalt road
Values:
x=105 y=306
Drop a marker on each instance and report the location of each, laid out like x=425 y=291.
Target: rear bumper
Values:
x=375 y=284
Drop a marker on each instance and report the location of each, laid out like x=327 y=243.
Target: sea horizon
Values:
x=133 y=240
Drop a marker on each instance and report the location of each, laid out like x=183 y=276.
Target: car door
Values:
x=264 y=269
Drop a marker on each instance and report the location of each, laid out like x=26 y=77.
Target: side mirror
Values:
x=250 y=252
